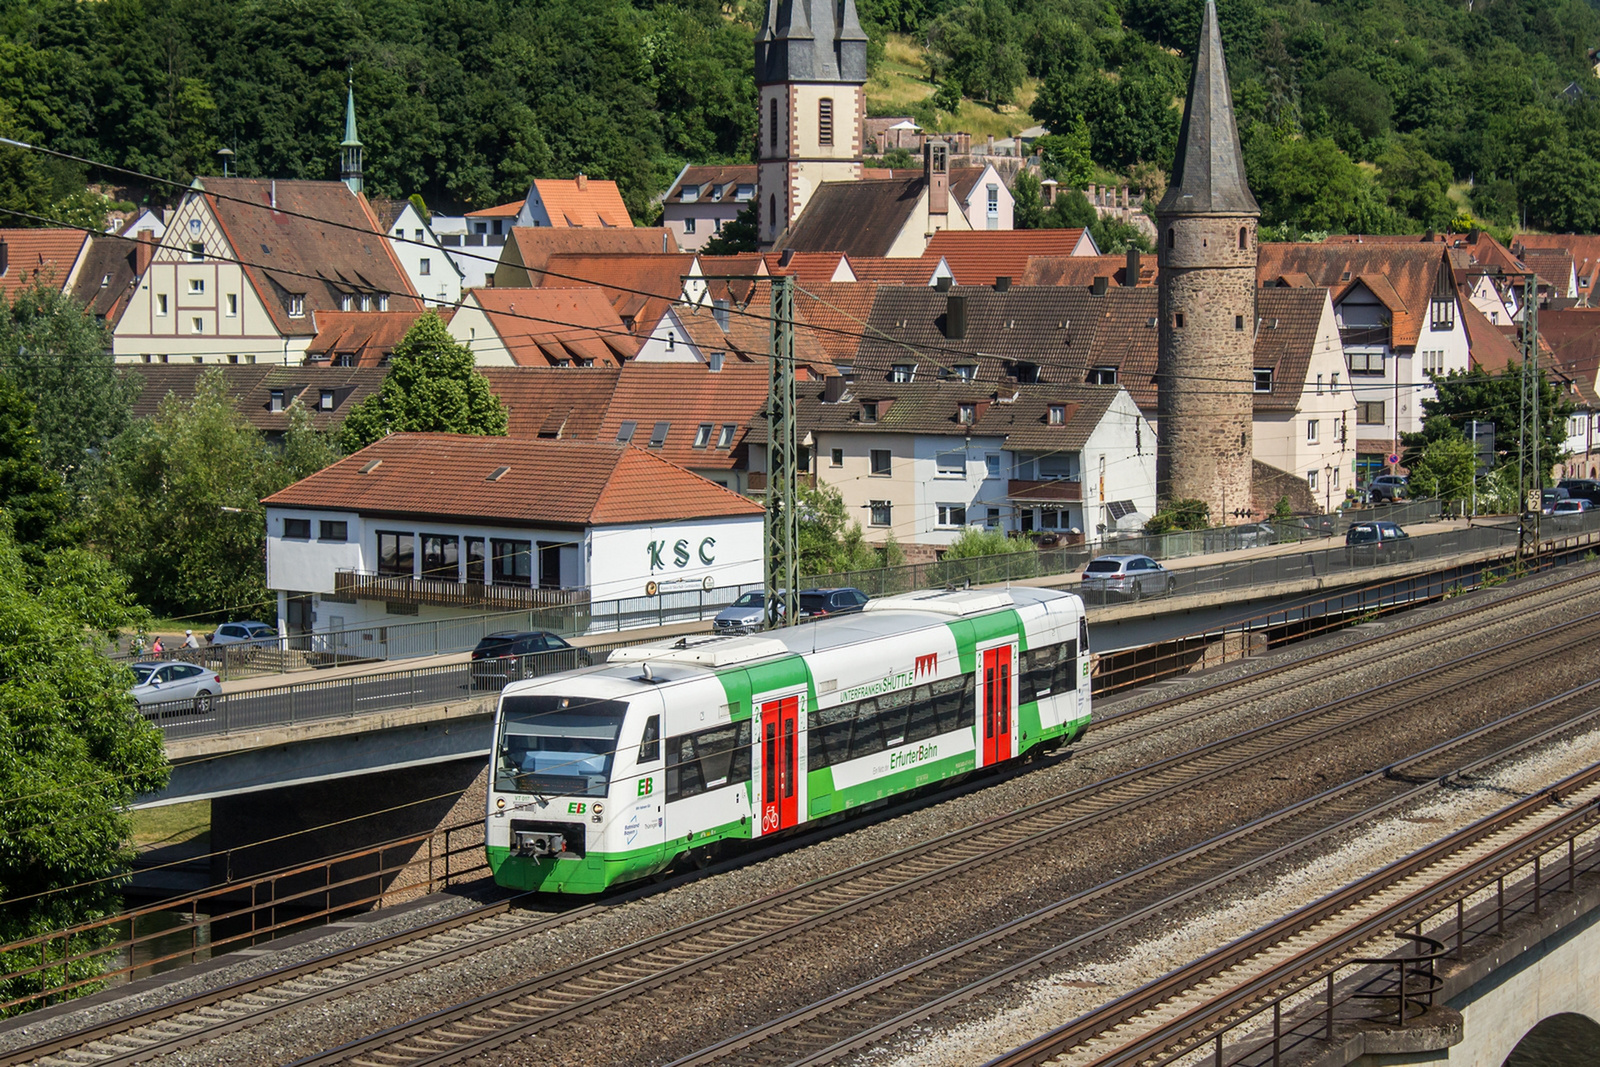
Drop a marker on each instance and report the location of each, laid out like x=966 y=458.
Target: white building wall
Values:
x=470 y=326
x=677 y=556
x=1283 y=439
x=433 y=273
x=1119 y=463
x=970 y=490
x=977 y=206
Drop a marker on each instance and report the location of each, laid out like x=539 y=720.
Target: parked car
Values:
x=512 y=655
x=1128 y=577
x=249 y=634
x=1256 y=534
x=164 y=683
x=1569 y=511
x=742 y=616
x=1377 y=542
x=1549 y=498
x=820 y=603
x=1388 y=488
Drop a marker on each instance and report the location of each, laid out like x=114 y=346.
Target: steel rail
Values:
x=585 y=988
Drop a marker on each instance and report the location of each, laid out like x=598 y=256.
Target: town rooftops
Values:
x=553 y=326
x=1410 y=273
x=529 y=248
x=263 y=393
x=499 y=211
x=1083 y=270
x=581 y=202
x=564 y=403
x=359 y=338
x=713 y=185
x=513 y=482
x=978 y=257
x=699 y=417
x=640 y=285
x=45 y=255
x=858 y=218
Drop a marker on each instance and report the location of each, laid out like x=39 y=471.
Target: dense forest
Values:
x=1359 y=115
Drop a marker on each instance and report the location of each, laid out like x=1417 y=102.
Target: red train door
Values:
x=780 y=764
x=996 y=705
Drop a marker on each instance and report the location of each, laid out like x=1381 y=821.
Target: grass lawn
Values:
x=902 y=80
x=171 y=824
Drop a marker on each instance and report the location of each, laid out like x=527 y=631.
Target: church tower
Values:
x=1206 y=227
x=811 y=73
x=350 y=147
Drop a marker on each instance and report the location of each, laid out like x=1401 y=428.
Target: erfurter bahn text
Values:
x=611 y=773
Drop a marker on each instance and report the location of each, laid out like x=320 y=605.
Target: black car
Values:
x=824 y=603
x=510 y=656
x=1378 y=542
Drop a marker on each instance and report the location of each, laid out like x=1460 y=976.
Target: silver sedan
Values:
x=170 y=682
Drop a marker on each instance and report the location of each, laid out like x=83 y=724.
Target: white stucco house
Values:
x=434 y=275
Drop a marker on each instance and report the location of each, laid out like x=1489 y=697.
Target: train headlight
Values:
x=596 y=807
x=500 y=802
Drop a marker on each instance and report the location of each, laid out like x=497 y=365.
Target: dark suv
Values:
x=1377 y=542
x=824 y=603
x=510 y=656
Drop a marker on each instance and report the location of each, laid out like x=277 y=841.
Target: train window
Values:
x=1066 y=678
x=708 y=759
x=1048 y=670
x=924 y=720
x=650 y=746
x=828 y=735
x=953 y=698
x=893 y=710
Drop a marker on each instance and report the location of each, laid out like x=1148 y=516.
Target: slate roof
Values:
x=857 y=218
x=567 y=403
x=688 y=396
x=359 y=338
x=43 y=254
x=387 y=210
x=251 y=387
x=321 y=241
x=978 y=257
x=1208 y=167
x=1412 y=271
x=534 y=245
x=548 y=483
x=640 y=286
x=583 y=202
x=541 y=327
x=963 y=181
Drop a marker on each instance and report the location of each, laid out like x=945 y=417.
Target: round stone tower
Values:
x=1206 y=226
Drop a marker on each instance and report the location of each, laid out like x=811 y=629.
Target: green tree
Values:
x=831 y=542
x=1497 y=398
x=59 y=357
x=980 y=556
x=433 y=386
x=1445 y=469
x=1179 y=515
x=1027 y=213
x=74 y=753
x=1131 y=118
x=981 y=47
x=1313 y=185
x=1417 y=184
x=32 y=496
x=737 y=235
x=947 y=97
x=898 y=159
x=1066 y=155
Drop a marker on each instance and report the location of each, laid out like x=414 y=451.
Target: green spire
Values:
x=350 y=148
x=350 y=138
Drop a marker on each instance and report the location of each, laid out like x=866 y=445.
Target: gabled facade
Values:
x=434 y=275
x=984 y=197
x=246 y=265
x=690 y=415
x=704 y=199
x=890 y=218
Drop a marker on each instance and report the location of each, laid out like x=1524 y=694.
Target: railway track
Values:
x=183 y=1022
x=614 y=979
x=856 y=1020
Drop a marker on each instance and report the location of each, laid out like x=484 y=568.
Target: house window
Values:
x=297 y=306
x=197 y=325
x=952 y=515
x=1442 y=313
x=1369 y=413
x=869 y=411
x=333 y=530
x=396 y=553
x=297 y=529
x=880 y=461
x=836 y=457
x=991 y=466
x=966 y=414
x=658 y=435
x=702 y=436
x=275 y=400
x=513 y=562
x=772 y=123
x=1333 y=381
x=1172 y=238
x=197 y=251
x=1311 y=480
x=994 y=201
x=725 y=437
x=383 y=302
x=1312 y=431
x=325 y=400
x=1102 y=376
x=1433 y=361
x=1263 y=380
x=344 y=302
x=416 y=235
x=1058 y=414
x=475 y=560
x=1319 y=385
x=688 y=225
x=1366 y=364
x=233 y=357
x=425 y=267
x=825 y=121
x=1238 y=323
x=233 y=305
x=197 y=286
x=880 y=510
x=366 y=303
x=903 y=372
x=951 y=464
x=961 y=372
x=161 y=303
x=441 y=556
x=992 y=519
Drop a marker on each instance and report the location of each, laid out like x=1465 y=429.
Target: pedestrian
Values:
x=156 y=649
x=137 y=646
x=190 y=640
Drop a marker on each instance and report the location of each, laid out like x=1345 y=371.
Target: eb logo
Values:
x=575 y=808
x=647 y=786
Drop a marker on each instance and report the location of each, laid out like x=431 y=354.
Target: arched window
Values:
x=772 y=123
x=1244 y=238
x=1172 y=238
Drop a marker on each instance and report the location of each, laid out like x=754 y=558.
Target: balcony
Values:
x=400 y=589
x=1046 y=491
x=1362 y=336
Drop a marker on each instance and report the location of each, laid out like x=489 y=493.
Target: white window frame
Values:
x=946 y=516
x=197 y=286
x=872 y=513
x=1313 y=428
x=941 y=470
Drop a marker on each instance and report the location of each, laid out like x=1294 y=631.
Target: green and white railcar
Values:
x=611 y=773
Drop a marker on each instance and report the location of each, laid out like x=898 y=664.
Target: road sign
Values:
x=1393 y=459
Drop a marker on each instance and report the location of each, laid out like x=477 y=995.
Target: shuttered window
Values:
x=825 y=121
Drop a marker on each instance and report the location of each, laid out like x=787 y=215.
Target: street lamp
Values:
x=1327 y=489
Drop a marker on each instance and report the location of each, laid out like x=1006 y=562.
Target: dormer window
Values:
x=1442 y=313
x=297 y=305
x=1263 y=379
x=344 y=302
x=966 y=414
x=1058 y=414
x=1102 y=376
x=690 y=194
x=725 y=436
x=275 y=400
x=658 y=436
x=702 y=436
x=325 y=400
x=869 y=411
x=903 y=372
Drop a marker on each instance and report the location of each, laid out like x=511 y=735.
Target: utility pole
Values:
x=783 y=449
x=1530 y=424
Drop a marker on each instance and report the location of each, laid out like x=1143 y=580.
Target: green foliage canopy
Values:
x=1497 y=398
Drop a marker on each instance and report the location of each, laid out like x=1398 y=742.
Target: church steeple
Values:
x=350 y=147
x=1208 y=168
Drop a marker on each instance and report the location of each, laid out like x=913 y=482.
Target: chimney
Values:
x=991 y=144
x=1101 y=284
x=272 y=198
x=1002 y=284
x=955 y=317
x=1130 y=276
x=719 y=311
x=833 y=388
x=714 y=362
x=583 y=181
x=936 y=171
x=143 y=252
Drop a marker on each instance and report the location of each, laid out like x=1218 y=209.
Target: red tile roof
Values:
x=359 y=338
x=1410 y=270
x=1489 y=349
x=499 y=211
x=809 y=268
x=542 y=327
x=547 y=483
x=688 y=396
x=1083 y=270
x=582 y=202
x=978 y=257
x=884 y=271
x=44 y=255
x=640 y=286
x=839 y=311
x=568 y=403
x=1584 y=248
x=530 y=247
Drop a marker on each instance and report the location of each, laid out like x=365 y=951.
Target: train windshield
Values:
x=557 y=745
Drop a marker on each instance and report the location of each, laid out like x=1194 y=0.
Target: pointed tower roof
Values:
x=350 y=138
x=1208 y=168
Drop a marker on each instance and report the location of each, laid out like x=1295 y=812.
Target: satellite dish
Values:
x=651 y=588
